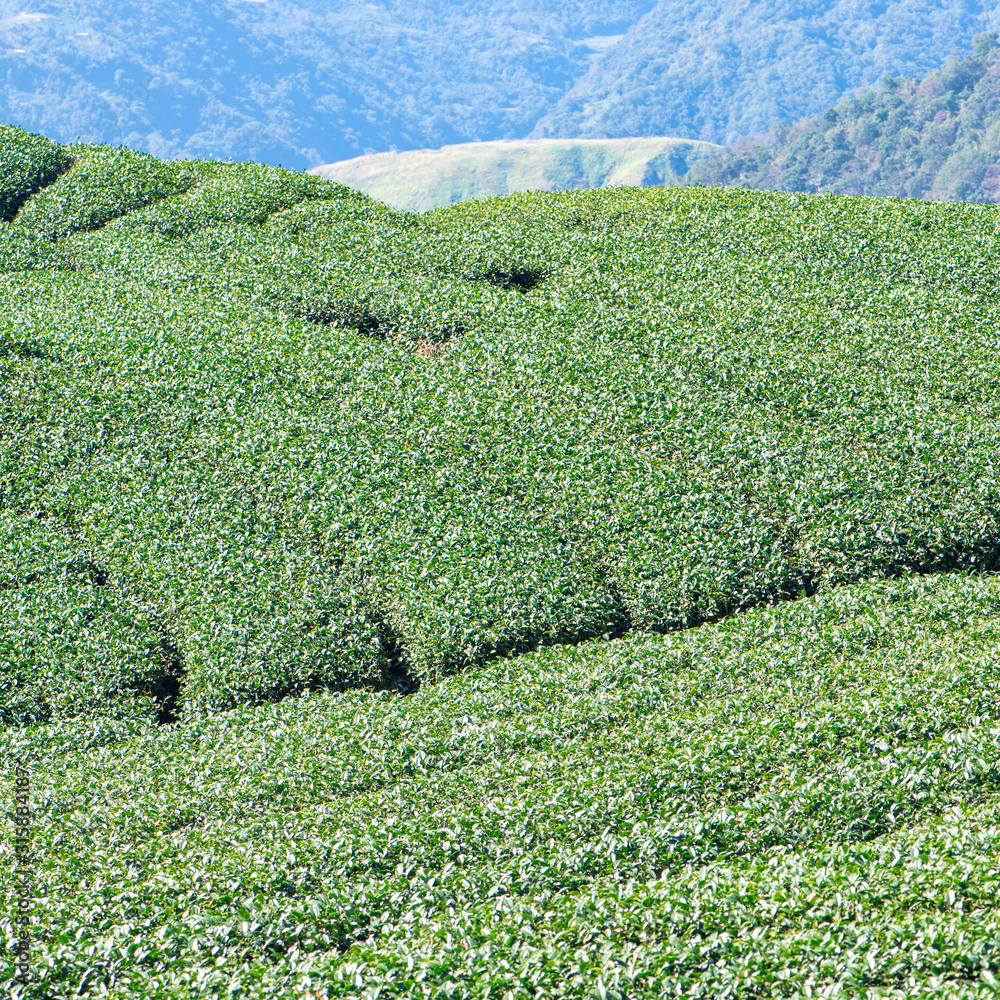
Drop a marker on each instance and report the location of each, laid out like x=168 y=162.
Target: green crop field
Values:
x=559 y=595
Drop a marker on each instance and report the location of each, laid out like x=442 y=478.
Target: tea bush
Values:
x=104 y=183
x=30 y=163
x=271 y=453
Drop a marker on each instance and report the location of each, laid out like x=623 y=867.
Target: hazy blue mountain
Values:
x=297 y=83
x=720 y=69
x=305 y=83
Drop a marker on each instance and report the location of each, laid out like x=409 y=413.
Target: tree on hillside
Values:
x=936 y=138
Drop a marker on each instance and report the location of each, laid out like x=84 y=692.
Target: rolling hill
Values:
x=724 y=69
x=418 y=180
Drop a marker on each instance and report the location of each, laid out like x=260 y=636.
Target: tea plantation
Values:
x=560 y=595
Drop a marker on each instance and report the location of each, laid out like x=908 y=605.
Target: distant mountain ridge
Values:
x=303 y=82
x=722 y=69
x=419 y=180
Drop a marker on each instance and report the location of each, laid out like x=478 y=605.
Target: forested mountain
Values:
x=936 y=138
x=720 y=69
x=306 y=82
x=298 y=83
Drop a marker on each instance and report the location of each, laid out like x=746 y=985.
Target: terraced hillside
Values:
x=557 y=595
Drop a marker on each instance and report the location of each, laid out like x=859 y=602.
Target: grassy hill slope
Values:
x=543 y=596
x=933 y=138
x=421 y=179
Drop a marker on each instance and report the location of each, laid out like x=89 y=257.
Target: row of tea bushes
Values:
x=104 y=183
x=798 y=800
x=231 y=193
x=29 y=163
x=99 y=483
